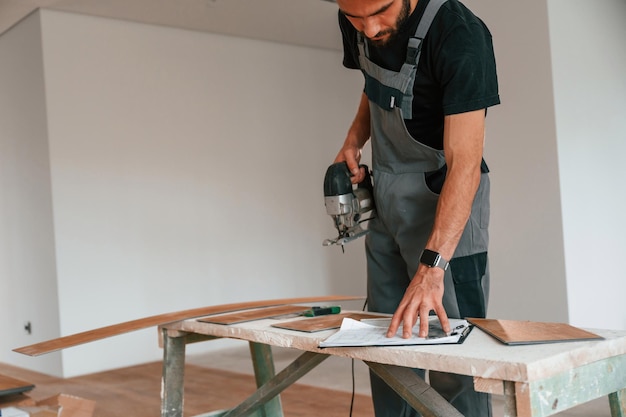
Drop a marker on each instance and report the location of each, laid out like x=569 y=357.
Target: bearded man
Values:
x=430 y=75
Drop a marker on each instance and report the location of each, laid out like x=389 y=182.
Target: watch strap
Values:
x=434 y=259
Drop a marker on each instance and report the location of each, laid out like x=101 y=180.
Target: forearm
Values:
x=453 y=210
x=463 y=145
x=358 y=135
x=359 y=132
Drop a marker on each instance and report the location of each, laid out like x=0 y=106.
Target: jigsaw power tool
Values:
x=346 y=203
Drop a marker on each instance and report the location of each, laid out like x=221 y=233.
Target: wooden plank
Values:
x=331 y=321
x=256 y=314
x=218 y=413
x=173 y=381
x=488 y=385
x=514 y=332
x=9 y=385
x=264 y=371
x=421 y=396
x=189 y=337
x=510 y=399
x=161 y=319
x=579 y=385
x=294 y=371
x=617 y=402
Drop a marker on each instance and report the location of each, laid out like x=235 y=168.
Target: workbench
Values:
x=535 y=380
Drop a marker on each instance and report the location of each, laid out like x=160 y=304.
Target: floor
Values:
x=135 y=392
x=223 y=378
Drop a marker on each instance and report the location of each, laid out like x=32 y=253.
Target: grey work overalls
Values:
x=405 y=207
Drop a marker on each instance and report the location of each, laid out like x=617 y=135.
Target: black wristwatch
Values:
x=433 y=259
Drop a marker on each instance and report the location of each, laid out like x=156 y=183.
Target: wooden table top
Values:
x=480 y=355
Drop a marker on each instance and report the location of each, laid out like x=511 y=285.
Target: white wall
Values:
x=526 y=246
x=28 y=290
x=555 y=147
x=187 y=170
x=590 y=99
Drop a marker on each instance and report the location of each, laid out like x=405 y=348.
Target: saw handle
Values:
x=367 y=181
x=337 y=180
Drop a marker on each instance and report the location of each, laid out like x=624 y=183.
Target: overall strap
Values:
x=389 y=89
x=414 y=48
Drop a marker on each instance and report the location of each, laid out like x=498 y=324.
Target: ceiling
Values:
x=302 y=22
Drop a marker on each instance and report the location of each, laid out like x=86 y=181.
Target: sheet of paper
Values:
x=374 y=333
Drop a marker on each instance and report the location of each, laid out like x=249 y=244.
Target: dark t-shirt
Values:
x=456 y=72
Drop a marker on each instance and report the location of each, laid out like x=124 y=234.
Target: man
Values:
x=430 y=75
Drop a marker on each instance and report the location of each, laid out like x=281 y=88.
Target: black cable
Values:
x=353 y=389
x=353 y=378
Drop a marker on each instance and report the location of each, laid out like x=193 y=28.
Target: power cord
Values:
x=353 y=390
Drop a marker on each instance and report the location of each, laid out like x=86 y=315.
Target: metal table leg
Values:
x=172 y=384
x=264 y=370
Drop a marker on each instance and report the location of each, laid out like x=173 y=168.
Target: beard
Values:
x=391 y=33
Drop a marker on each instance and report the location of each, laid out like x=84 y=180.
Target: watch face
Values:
x=429 y=257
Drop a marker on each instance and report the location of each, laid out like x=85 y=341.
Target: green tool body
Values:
x=322 y=311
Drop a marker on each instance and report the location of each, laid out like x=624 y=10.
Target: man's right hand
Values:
x=352 y=156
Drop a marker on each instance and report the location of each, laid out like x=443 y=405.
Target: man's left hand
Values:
x=423 y=295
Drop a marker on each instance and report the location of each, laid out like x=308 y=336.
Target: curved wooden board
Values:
x=139 y=324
